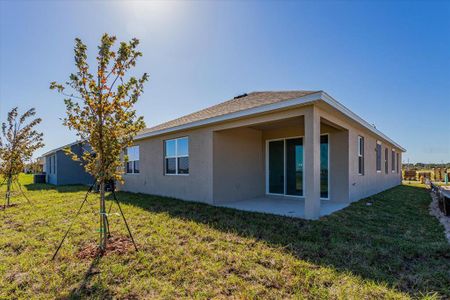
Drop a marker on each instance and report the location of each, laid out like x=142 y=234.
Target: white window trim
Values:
x=360 y=154
x=176 y=156
x=284 y=162
x=381 y=156
x=139 y=154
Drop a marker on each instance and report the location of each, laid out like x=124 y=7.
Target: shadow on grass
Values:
x=87 y=290
x=393 y=241
x=58 y=188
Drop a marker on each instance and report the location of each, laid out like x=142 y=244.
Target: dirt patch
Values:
x=3 y=207
x=117 y=245
x=20 y=278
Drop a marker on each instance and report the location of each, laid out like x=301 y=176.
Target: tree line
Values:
x=426 y=165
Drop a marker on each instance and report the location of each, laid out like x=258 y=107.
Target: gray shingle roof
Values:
x=251 y=100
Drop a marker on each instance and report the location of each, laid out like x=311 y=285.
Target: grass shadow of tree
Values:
x=392 y=241
x=87 y=290
x=58 y=188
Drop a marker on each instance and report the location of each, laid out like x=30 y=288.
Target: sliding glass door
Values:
x=285 y=167
x=294 y=167
x=324 y=166
x=276 y=167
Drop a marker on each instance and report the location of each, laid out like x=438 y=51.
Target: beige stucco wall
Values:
x=338 y=143
x=197 y=186
x=240 y=158
x=238 y=170
x=227 y=160
x=339 y=166
x=371 y=182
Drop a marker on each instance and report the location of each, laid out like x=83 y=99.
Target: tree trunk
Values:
x=8 y=191
x=103 y=221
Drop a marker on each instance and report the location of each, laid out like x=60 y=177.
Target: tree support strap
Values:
x=23 y=193
x=124 y=220
x=73 y=221
x=101 y=213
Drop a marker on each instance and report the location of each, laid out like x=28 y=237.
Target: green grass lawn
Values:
x=392 y=249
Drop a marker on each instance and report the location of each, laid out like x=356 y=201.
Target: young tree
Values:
x=99 y=108
x=33 y=167
x=18 y=142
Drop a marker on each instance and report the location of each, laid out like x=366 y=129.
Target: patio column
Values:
x=312 y=164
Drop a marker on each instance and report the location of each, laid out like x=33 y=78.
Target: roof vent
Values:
x=241 y=96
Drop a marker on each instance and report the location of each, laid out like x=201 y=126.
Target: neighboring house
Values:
x=35 y=167
x=266 y=151
x=61 y=169
x=41 y=162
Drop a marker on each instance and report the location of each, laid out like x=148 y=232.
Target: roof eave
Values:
x=307 y=99
x=59 y=148
x=337 y=105
x=235 y=115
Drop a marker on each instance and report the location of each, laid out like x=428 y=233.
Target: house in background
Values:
x=294 y=153
x=60 y=169
x=34 y=167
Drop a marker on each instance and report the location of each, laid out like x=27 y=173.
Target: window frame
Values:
x=53 y=164
x=378 y=154
x=176 y=156
x=50 y=165
x=386 y=160
x=133 y=161
x=393 y=157
x=360 y=155
x=398 y=162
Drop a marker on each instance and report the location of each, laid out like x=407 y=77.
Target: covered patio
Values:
x=282 y=206
x=292 y=163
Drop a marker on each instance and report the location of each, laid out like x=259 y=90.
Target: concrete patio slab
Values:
x=283 y=206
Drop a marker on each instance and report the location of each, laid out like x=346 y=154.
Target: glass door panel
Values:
x=276 y=167
x=294 y=167
x=324 y=162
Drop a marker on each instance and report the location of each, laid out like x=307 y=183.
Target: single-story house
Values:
x=297 y=153
x=60 y=169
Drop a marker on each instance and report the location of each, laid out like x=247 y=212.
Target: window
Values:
x=360 y=155
x=50 y=164
x=398 y=163
x=386 y=164
x=176 y=156
x=378 y=155
x=285 y=167
x=393 y=161
x=132 y=164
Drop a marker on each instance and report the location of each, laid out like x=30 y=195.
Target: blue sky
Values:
x=388 y=62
